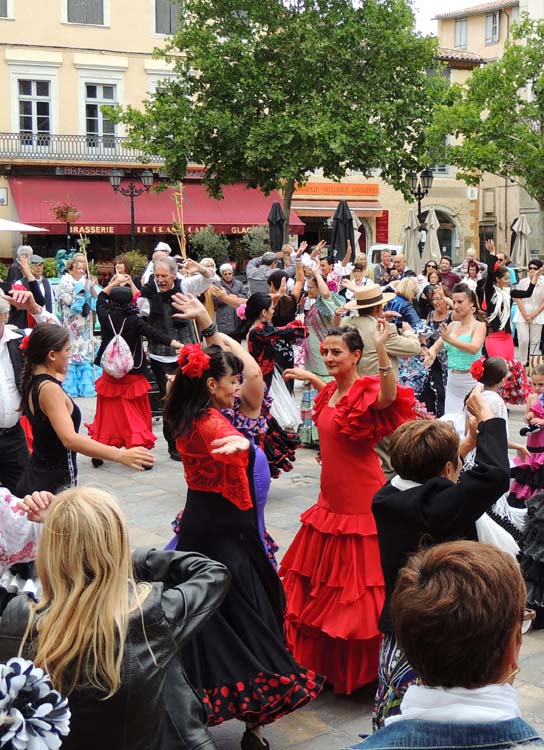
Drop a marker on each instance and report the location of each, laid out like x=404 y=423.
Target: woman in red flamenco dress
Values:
x=331 y=572
x=123 y=414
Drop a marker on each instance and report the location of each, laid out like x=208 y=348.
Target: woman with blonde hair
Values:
x=109 y=643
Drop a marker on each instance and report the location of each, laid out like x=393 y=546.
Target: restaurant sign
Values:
x=338 y=189
x=154 y=228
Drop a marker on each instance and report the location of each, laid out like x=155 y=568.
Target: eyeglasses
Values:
x=527 y=620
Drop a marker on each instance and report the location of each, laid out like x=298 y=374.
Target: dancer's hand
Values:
x=297 y=373
x=136 y=458
x=382 y=332
x=477 y=405
x=188 y=305
x=230 y=444
x=523 y=453
x=35 y=506
x=490 y=247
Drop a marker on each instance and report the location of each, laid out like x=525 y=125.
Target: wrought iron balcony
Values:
x=50 y=148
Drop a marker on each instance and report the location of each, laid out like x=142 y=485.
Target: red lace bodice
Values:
x=210 y=472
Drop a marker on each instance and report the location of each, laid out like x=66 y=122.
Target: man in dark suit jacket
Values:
x=33 y=280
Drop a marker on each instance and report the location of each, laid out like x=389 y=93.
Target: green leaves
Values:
x=268 y=92
x=499 y=114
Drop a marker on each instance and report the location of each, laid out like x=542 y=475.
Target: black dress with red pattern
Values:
x=273 y=346
x=238 y=662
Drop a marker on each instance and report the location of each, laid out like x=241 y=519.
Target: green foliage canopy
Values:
x=498 y=114
x=268 y=92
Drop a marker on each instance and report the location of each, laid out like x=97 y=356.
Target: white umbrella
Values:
x=431 y=251
x=15 y=226
x=520 y=252
x=410 y=242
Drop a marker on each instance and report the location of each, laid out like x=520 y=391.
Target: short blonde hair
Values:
x=407 y=288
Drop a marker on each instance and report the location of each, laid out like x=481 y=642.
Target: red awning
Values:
x=103 y=211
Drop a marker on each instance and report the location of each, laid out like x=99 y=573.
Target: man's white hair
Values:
x=24 y=250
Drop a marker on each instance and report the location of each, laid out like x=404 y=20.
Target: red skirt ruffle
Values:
x=335 y=593
x=123 y=413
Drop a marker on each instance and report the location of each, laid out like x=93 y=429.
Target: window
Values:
x=34 y=112
x=99 y=130
x=460 y=33
x=86 y=11
x=492 y=28
x=3 y=8
x=166 y=16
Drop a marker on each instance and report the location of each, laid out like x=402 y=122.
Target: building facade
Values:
x=484 y=29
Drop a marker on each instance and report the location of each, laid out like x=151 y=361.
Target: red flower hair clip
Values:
x=477 y=369
x=193 y=362
x=24 y=343
x=322 y=347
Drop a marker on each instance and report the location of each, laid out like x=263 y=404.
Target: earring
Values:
x=509 y=679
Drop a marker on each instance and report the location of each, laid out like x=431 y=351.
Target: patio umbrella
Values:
x=410 y=242
x=276 y=220
x=520 y=252
x=342 y=230
x=431 y=251
x=14 y=226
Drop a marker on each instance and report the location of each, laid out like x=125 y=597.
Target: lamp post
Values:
x=420 y=184
x=132 y=192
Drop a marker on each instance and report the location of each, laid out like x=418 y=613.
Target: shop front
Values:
x=103 y=216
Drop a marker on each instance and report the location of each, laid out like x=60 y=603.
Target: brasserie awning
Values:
x=103 y=211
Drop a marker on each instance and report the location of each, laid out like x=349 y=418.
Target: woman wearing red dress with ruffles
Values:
x=331 y=572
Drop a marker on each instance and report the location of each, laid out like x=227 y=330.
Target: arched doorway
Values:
x=365 y=235
x=449 y=232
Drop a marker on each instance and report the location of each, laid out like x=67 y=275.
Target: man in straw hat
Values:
x=369 y=301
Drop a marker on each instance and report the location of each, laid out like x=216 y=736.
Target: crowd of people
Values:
x=417 y=568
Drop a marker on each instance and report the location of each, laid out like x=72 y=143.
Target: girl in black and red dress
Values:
x=238 y=663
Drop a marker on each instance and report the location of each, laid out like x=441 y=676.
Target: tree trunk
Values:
x=288 y=191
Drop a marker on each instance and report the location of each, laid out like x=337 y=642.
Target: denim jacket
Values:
x=434 y=735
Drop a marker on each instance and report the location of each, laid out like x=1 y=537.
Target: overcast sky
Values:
x=426 y=9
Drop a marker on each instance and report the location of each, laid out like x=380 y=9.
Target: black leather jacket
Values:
x=156 y=708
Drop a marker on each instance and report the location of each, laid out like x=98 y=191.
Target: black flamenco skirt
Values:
x=238 y=663
x=532 y=559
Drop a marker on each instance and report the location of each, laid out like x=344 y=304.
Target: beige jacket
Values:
x=405 y=344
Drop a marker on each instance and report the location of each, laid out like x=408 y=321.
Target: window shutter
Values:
x=95 y=11
x=162 y=17
x=3 y=8
x=174 y=17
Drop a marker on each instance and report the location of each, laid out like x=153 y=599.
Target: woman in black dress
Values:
x=238 y=664
x=55 y=418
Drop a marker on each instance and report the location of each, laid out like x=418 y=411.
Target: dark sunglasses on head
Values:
x=358 y=267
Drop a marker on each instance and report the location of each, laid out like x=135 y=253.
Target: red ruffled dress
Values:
x=123 y=414
x=331 y=572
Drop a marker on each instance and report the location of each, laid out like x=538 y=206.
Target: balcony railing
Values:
x=49 y=148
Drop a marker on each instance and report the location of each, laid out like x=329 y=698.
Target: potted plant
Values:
x=65 y=212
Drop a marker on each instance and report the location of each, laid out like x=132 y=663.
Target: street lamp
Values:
x=132 y=192
x=420 y=184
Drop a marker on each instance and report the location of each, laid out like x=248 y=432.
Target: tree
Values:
x=498 y=116
x=269 y=92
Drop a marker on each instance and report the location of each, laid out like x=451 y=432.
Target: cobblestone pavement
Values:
x=151 y=500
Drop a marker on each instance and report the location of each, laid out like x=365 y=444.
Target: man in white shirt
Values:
x=13 y=449
x=156 y=302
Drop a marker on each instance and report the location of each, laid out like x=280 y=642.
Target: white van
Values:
x=374 y=253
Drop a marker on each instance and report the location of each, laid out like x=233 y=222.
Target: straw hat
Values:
x=369 y=295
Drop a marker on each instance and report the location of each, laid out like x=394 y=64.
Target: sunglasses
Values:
x=431 y=265
x=358 y=267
